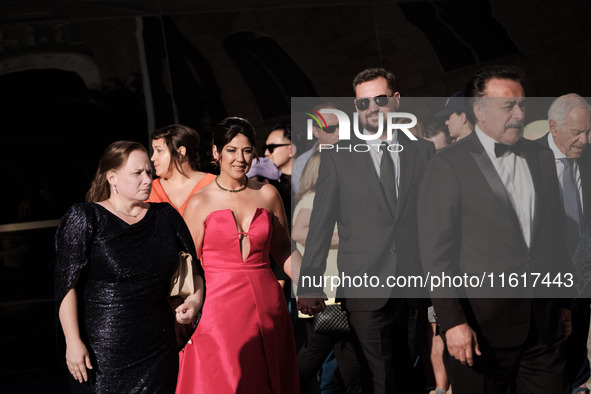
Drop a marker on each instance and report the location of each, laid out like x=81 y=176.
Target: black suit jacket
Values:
x=467 y=224
x=372 y=241
x=585 y=169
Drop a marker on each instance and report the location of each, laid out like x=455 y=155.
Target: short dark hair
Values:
x=230 y=127
x=283 y=125
x=477 y=83
x=372 y=74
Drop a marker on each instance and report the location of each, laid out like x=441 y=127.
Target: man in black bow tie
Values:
x=491 y=203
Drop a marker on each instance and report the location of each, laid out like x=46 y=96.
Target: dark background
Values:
x=78 y=75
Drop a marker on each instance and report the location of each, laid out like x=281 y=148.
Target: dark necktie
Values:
x=516 y=148
x=388 y=177
x=572 y=206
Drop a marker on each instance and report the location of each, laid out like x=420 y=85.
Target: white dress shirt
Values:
x=516 y=177
x=560 y=168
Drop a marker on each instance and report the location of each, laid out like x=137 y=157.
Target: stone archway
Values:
x=78 y=63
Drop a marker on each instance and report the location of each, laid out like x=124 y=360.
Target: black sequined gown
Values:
x=124 y=272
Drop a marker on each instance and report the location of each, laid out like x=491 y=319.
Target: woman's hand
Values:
x=78 y=360
x=186 y=313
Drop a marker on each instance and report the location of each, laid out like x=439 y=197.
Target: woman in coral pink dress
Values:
x=244 y=341
x=176 y=161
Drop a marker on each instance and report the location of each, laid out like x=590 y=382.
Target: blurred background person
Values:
x=279 y=149
x=264 y=170
x=321 y=353
x=176 y=161
x=325 y=136
x=244 y=341
x=456 y=119
x=437 y=133
x=115 y=256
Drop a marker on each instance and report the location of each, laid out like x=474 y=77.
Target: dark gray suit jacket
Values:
x=372 y=241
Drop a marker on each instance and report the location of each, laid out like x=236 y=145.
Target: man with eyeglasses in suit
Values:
x=372 y=197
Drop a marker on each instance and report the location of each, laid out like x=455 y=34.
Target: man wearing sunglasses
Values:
x=278 y=147
x=372 y=197
x=328 y=135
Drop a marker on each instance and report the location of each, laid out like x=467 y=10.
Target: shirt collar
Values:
x=557 y=153
x=487 y=142
x=375 y=144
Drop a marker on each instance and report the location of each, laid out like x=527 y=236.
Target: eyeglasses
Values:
x=363 y=103
x=271 y=147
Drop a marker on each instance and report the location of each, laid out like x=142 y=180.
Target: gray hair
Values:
x=563 y=105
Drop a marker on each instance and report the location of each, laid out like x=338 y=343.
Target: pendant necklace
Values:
x=126 y=214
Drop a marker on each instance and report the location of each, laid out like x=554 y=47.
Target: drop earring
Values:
x=115 y=189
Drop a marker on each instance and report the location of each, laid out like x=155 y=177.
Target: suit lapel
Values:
x=407 y=162
x=585 y=171
x=544 y=140
x=489 y=172
x=533 y=162
x=493 y=179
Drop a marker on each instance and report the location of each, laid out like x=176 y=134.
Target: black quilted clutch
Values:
x=333 y=320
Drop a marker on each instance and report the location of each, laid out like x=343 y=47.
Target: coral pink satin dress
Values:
x=244 y=342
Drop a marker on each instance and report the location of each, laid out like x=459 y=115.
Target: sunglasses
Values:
x=271 y=147
x=329 y=129
x=363 y=103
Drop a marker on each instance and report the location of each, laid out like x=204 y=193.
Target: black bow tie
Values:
x=516 y=148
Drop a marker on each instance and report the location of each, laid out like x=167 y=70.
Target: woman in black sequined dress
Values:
x=115 y=257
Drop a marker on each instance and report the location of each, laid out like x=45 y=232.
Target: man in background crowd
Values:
x=569 y=118
x=328 y=135
x=455 y=116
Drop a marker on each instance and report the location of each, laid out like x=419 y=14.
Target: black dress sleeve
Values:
x=72 y=244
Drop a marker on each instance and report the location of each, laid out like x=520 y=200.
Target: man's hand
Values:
x=311 y=304
x=566 y=318
x=462 y=343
